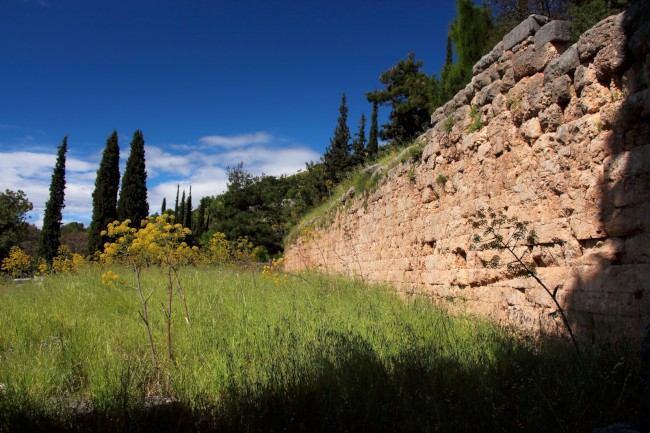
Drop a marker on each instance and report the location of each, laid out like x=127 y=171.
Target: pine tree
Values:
x=132 y=203
x=359 y=143
x=163 y=208
x=107 y=184
x=50 y=237
x=337 y=158
x=373 y=140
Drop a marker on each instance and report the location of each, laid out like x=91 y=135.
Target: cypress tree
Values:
x=178 y=187
x=107 y=184
x=180 y=217
x=163 y=208
x=198 y=229
x=337 y=158
x=359 y=142
x=50 y=237
x=132 y=203
x=373 y=141
x=188 y=211
x=188 y=218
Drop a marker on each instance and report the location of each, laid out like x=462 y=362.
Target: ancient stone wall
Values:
x=553 y=134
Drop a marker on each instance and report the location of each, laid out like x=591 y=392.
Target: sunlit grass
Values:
x=327 y=355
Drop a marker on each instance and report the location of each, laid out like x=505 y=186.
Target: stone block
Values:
x=564 y=64
x=555 y=31
x=520 y=33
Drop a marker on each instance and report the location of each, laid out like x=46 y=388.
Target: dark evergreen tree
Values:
x=199 y=226
x=178 y=187
x=408 y=92
x=132 y=203
x=107 y=184
x=337 y=159
x=180 y=216
x=50 y=237
x=359 y=143
x=373 y=140
x=188 y=217
x=163 y=208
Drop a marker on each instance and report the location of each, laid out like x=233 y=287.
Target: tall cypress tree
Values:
x=337 y=158
x=373 y=141
x=188 y=211
x=132 y=203
x=180 y=217
x=50 y=237
x=359 y=142
x=198 y=229
x=163 y=208
x=178 y=188
x=107 y=184
x=188 y=218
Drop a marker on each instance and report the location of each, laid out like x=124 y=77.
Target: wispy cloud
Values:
x=230 y=141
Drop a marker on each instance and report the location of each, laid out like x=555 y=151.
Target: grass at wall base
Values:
x=325 y=354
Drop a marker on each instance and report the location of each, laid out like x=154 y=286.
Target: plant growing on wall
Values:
x=501 y=232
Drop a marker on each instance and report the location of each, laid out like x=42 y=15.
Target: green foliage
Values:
x=359 y=143
x=320 y=354
x=338 y=159
x=50 y=237
x=585 y=14
x=107 y=185
x=14 y=206
x=477 y=123
x=449 y=124
x=132 y=203
x=373 y=139
x=441 y=180
x=408 y=92
x=411 y=174
x=256 y=207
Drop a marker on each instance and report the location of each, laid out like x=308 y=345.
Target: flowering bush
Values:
x=274 y=272
x=67 y=262
x=17 y=264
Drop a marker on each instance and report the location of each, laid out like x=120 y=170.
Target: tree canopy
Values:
x=132 y=203
x=14 y=206
x=50 y=237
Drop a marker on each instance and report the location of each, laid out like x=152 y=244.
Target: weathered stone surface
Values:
x=488 y=59
x=554 y=31
x=519 y=34
x=564 y=64
x=567 y=151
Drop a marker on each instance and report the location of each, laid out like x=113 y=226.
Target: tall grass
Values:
x=330 y=355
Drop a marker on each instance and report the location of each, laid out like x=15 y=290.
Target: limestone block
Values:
x=554 y=31
x=531 y=129
x=587 y=226
x=487 y=94
x=551 y=117
x=637 y=249
x=595 y=39
x=488 y=59
x=559 y=90
x=564 y=64
x=612 y=58
x=517 y=35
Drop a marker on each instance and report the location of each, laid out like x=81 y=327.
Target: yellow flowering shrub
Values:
x=17 y=264
x=158 y=242
x=274 y=272
x=67 y=262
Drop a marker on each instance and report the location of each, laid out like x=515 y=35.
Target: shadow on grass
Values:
x=520 y=386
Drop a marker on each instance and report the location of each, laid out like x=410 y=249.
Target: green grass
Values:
x=329 y=355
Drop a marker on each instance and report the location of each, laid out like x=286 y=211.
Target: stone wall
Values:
x=559 y=137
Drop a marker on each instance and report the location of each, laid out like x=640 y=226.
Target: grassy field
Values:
x=325 y=355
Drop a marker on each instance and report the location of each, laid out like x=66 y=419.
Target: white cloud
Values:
x=241 y=140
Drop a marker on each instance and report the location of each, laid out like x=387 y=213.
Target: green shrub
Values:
x=476 y=123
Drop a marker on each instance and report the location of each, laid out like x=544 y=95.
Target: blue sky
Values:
x=209 y=82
